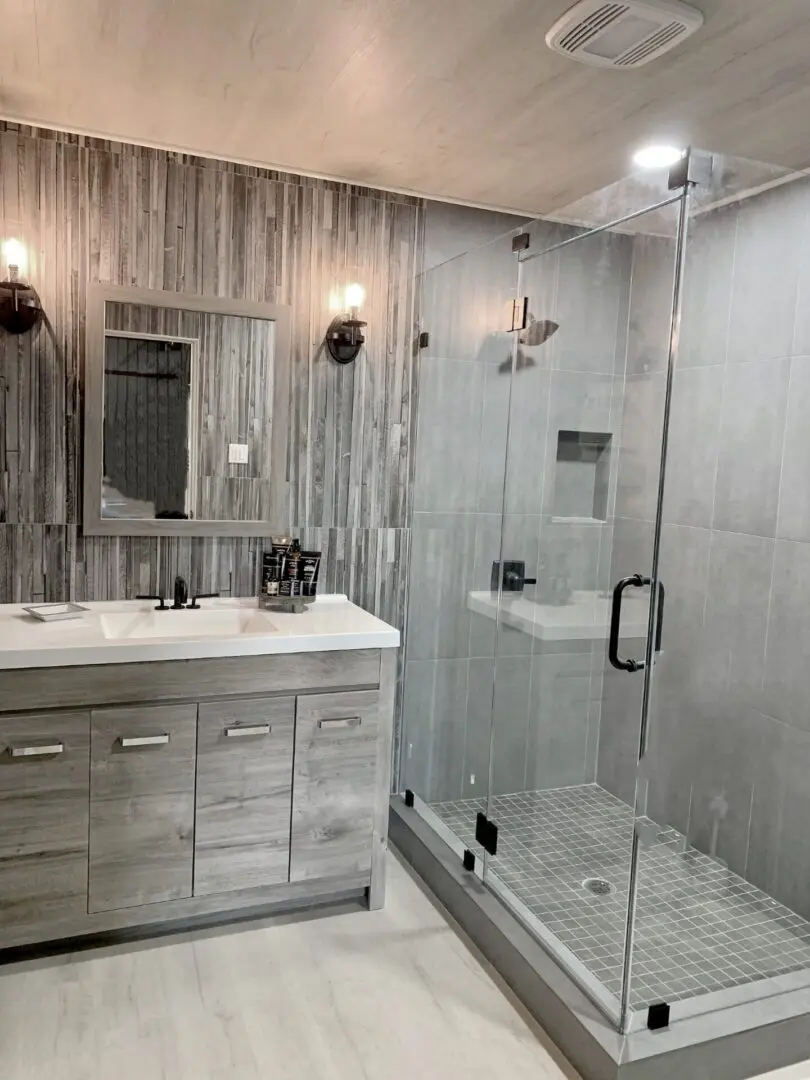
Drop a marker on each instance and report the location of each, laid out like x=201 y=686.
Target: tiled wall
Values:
x=729 y=760
x=546 y=700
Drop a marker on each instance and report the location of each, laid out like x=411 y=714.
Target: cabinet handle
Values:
x=36 y=751
x=340 y=722
x=248 y=729
x=128 y=741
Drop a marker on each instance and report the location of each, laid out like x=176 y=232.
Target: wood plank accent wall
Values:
x=93 y=210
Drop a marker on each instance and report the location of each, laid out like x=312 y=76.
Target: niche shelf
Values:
x=581 y=477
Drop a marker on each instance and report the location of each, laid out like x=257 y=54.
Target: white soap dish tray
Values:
x=56 y=612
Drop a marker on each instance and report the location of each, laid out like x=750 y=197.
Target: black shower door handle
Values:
x=636 y=581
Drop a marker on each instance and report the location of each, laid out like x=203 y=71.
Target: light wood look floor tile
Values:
x=384 y=995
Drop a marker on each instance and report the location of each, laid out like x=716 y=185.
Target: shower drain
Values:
x=598 y=886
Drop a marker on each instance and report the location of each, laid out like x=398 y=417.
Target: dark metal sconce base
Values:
x=344 y=339
x=20 y=308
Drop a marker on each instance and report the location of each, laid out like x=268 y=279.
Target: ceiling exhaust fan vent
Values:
x=624 y=35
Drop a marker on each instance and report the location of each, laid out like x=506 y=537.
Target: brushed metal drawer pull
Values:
x=340 y=722
x=248 y=729
x=36 y=751
x=128 y=741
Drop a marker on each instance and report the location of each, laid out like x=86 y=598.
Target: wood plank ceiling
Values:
x=458 y=99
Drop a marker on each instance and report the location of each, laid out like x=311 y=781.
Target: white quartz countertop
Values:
x=585 y=618
x=131 y=631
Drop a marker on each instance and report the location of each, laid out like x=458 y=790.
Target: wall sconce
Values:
x=20 y=307
x=344 y=338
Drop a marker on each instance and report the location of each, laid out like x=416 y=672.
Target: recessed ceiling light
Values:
x=657 y=157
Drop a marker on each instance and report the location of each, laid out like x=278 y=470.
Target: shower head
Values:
x=538 y=331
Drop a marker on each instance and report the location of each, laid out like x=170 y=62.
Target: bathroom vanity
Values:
x=160 y=767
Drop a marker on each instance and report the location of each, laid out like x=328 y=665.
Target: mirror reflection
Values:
x=188 y=399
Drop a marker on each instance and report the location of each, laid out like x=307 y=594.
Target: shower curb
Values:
x=736 y=1043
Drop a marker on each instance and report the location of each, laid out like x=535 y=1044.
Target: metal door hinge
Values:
x=468 y=860
x=486 y=834
x=520 y=242
x=424 y=339
x=408 y=797
x=517 y=311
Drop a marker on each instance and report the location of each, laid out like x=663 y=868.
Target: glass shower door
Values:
x=586 y=424
x=721 y=915
x=463 y=408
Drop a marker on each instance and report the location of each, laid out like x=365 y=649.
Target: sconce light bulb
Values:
x=355 y=296
x=14 y=255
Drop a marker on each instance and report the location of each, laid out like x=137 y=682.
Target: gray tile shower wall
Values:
x=730 y=724
x=461 y=667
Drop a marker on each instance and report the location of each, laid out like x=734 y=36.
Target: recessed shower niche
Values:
x=582 y=475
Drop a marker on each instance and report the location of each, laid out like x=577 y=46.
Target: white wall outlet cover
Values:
x=237 y=453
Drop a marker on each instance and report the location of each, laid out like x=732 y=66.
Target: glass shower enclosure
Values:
x=605 y=707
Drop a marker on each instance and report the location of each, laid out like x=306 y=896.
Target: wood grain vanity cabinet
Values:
x=244 y=792
x=44 y=776
x=142 y=765
x=141 y=793
x=334 y=783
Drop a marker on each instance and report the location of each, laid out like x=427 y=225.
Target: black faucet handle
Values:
x=194 y=606
x=144 y=596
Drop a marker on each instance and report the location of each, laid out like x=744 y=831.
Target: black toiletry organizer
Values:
x=289 y=576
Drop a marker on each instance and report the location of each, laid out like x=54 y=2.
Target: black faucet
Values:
x=180 y=593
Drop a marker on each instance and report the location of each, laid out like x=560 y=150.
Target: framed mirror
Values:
x=186 y=414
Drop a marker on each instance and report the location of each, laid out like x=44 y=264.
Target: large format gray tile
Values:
x=707 y=289
x=794 y=489
x=441 y=571
x=801 y=339
x=475 y=781
x=632 y=550
x=771 y=230
x=528 y=427
x=580 y=401
x=510 y=719
x=640 y=454
x=694 y=431
x=619 y=729
x=750 y=452
x=434 y=723
x=558 y=720
x=492 y=451
x=684 y=572
x=451 y=400
x=786 y=685
x=651 y=298
x=737 y=599
x=793 y=839
x=593 y=290
x=568 y=560
x=463 y=303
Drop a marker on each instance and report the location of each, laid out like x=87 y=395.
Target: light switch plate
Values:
x=237 y=453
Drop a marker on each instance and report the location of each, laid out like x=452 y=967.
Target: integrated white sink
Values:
x=207 y=622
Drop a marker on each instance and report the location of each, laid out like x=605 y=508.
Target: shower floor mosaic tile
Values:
x=699 y=927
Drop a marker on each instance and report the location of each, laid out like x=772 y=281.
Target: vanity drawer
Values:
x=142 y=766
x=244 y=792
x=334 y=784
x=44 y=798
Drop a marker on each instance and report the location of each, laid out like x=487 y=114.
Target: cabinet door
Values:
x=44 y=799
x=334 y=780
x=141 y=805
x=244 y=790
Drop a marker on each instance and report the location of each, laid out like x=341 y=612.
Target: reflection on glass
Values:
x=188 y=414
x=147 y=428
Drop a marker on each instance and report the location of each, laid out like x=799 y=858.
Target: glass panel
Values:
x=584 y=451
x=723 y=798
x=458 y=505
